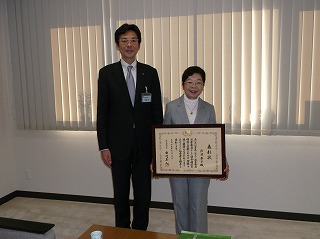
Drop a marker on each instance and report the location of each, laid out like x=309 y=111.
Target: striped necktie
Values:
x=130 y=84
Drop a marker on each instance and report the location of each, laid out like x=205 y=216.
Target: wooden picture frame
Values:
x=191 y=150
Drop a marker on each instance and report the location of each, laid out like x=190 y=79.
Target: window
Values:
x=260 y=57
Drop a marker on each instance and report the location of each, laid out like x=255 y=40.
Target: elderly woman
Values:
x=190 y=195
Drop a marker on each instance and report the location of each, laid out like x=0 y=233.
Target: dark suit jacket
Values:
x=117 y=118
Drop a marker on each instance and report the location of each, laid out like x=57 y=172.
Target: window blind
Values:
x=260 y=57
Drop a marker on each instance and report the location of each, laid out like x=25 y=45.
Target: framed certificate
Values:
x=195 y=150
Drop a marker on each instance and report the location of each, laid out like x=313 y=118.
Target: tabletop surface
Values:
x=109 y=232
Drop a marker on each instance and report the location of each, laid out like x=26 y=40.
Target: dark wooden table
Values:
x=124 y=233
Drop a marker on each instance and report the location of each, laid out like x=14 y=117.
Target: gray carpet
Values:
x=73 y=218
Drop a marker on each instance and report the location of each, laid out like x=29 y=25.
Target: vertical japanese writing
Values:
x=183 y=152
x=195 y=153
x=216 y=150
x=166 y=155
x=176 y=144
x=180 y=153
x=171 y=149
x=201 y=157
x=191 y=153
x=209 y=152
x=188 y=152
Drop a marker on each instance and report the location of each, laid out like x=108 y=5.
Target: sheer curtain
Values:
x=4 y=73
x=260 y=56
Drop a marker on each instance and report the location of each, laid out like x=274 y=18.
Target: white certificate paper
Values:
x=189 y=150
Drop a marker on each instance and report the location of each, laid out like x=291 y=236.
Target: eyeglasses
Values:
x=126 y=40
x=198 y=84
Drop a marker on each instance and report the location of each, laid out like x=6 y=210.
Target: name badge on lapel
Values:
x=146 y=97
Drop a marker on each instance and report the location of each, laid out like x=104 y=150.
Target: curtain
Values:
x=260 y=58
x=5 y=76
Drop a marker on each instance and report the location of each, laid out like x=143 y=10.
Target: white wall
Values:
x=277 y=173
x=7 y=174
x=7 y=166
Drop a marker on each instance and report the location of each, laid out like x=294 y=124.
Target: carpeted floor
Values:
x=73 y=218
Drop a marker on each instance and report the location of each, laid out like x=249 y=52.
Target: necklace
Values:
x=191 y=111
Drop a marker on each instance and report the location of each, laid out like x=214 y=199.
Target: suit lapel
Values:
x=200 y=112
x=182 y=111
x=118 y=72
x=140 y=84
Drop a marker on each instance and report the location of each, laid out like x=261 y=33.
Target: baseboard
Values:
x=265 y=214
x=25 y=226
x=167 y=205
x=64 y=197
x=8 y=197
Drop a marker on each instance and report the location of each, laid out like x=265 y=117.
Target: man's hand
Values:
x=106 y=157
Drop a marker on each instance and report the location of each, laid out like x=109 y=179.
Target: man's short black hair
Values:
x=124 y=29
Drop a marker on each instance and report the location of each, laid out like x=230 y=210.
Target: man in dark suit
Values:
x=124 y=126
